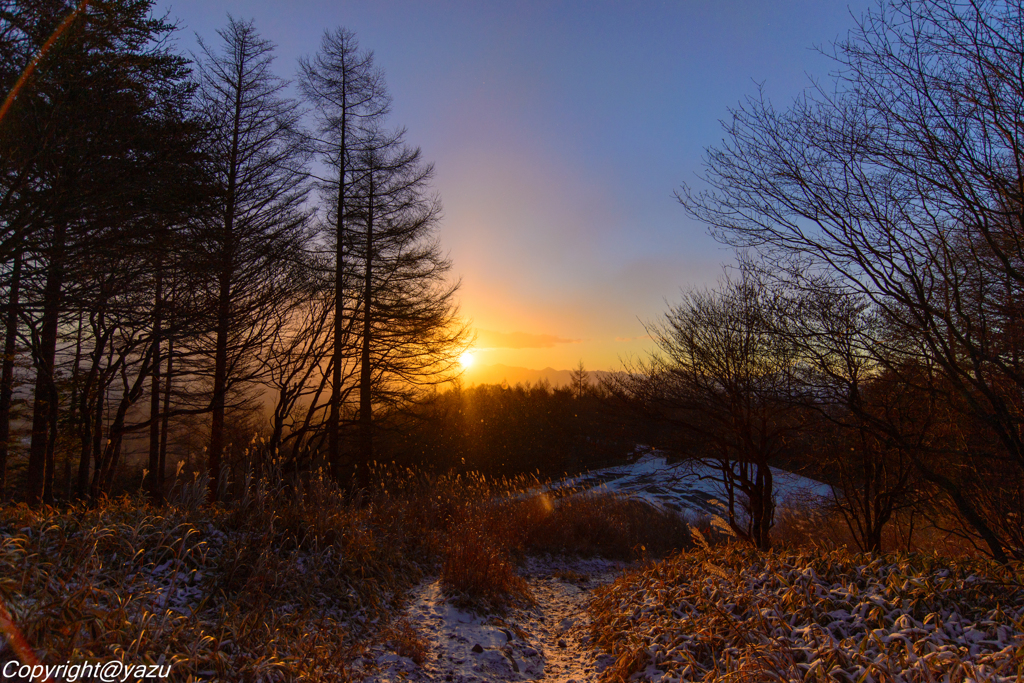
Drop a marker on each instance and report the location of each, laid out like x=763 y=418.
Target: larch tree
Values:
x=258 y=228
x=409 y=332
x=80 y=132
x=579 y=381
x=349 y=99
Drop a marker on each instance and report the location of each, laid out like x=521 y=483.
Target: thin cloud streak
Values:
x=489 y=339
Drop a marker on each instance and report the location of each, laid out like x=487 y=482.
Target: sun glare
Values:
x=466 y=359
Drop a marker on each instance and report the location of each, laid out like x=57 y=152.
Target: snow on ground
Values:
x=547 y=641
x=732 y=613
x=685 y=485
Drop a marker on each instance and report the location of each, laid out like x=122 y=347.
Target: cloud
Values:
x=489 y=339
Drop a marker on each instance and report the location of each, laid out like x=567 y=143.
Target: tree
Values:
x=258 y=227
x=295 y=360
x=79 y=164
x=904 y=182
x=870 y=421
x=727 y=380
x=349 y=99
x=409 y=333
x=579 y=381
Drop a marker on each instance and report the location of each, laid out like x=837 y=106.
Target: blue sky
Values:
x=559 y=131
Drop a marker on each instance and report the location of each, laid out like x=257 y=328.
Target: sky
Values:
x=559 y=131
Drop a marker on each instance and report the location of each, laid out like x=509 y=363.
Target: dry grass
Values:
x=292 y=579
x=406 y=641
x=281 y=584
x=731 y=614
x=799 y=525
x=479 y=567
x=212 y=592
x=478 y=572
x=608 y=525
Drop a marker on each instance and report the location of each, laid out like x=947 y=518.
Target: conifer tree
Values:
x=257 y=231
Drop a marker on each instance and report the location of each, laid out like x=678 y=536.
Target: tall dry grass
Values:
x=731 y=613
x=295 y=577
x=498 y=531
x=800 y=525
x=254 y=592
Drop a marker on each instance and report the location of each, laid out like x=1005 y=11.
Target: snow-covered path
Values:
x=545 y=642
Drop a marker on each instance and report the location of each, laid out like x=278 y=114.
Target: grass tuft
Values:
x=478 y=571
x=814 y=616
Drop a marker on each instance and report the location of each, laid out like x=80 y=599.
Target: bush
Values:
x=608 y=525
x=478 y=571
x=479 y=567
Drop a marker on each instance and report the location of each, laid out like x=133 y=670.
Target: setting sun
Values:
x=466 y=359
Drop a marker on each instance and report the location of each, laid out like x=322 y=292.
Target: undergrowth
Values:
x=499 y=529
x=292 y=580
x=728 y=613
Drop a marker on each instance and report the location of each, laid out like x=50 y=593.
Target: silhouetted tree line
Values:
x=509 y=430
x=181 y=241
x=873 y=330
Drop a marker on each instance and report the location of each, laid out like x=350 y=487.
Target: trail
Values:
x=545 y=642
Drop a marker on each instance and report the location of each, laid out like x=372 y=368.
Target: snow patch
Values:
x=547 y=641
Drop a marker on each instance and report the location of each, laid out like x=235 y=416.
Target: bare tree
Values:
x=873 y=422
x=905 y=182
x=727 y=381
x=349 y=99
x=259 y=224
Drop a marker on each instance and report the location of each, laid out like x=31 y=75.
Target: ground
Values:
x=546 y=641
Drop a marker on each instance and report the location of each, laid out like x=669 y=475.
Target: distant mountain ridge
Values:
x=498 y=374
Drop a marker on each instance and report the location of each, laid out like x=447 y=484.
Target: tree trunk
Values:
x=51 y=445
x=155 y=481
x=365 y=370
x=44 y=401
x=73 y=407
x=225 y=271
x=112 y=453
x=219 y=388
x=90 y=420
x=97 y=433
x=965 y=508
x=334 y=418
x=767 y=513
x=96 y=445
x=162 y=464
x=7 y=374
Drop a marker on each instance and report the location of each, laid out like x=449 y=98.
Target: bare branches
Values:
x=904 y=185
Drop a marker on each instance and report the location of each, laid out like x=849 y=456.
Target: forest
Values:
x=186 y=245
x=231 y=355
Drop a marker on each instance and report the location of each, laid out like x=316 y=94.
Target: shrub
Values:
x=478 y=571
x=608 y=525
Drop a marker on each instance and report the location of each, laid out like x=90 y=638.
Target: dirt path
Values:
x=546 y=642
